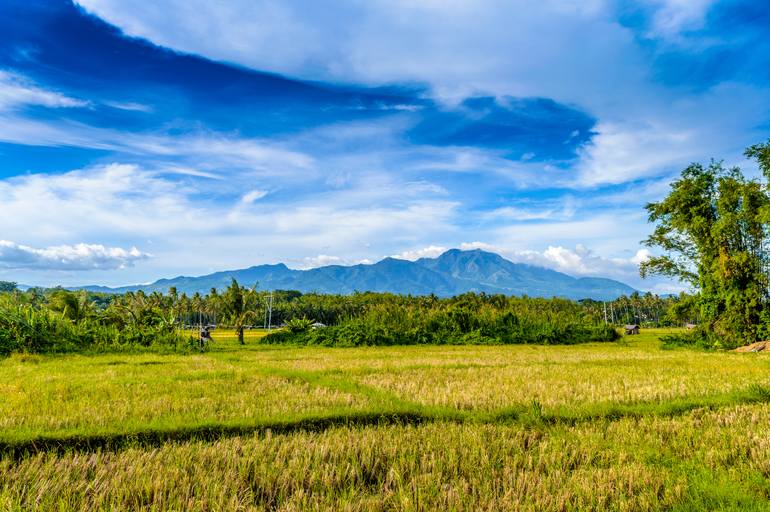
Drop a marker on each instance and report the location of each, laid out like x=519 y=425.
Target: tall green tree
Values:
x=7 y=286
x=712 y=229
x=239 y=307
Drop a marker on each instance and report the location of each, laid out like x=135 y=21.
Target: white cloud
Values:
x=622 y=153
x=254 y=195
x=127 y=205
x=641 y=256
x=470 y=246
x=667 y=288
x=554 y=48
x=111 y=200
x=321 y=260
x=575 y=262
x=201 y=153
x=672 y=17
x=576 y=53
x=16 y=90
x=193 y=232
x=668 y=133
x=189 y=171
x=68 y=257
x=431 y=251
x=562 y=209
x=128 y=105
x=551 y=48
x=580 y=261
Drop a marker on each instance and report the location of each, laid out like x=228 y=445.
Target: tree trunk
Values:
x=240 y=335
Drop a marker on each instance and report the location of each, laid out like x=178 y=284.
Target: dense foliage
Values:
x=468 y=318
x=713 y=230
x=62 y=321
x=647 y=309
x=7 y=286
x=55 y=321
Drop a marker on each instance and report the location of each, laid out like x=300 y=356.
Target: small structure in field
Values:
x=318 y=325
x=632 y=329
x=759 y=346
x=690 y=327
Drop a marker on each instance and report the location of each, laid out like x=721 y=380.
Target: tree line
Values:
x=58 y=320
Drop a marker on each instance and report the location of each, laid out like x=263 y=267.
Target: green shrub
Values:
x=30 y=328
x=297 y=325
x=467 y=319
x=699 y=338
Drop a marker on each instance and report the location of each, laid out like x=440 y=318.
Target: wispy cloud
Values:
x=672 y=17
x=565 y=209
x=254 y=195
x=16 y=90
x=195 y=151
x=386 y=42
x=129 y=105
x=121 y=204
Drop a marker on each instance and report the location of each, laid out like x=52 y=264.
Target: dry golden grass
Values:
x=700 y=461
x=572 y=377
x=114 y=393
x=595 y=427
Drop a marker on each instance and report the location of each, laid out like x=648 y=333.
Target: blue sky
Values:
x=141 y=140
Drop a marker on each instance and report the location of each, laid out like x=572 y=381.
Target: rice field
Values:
x=609 y=426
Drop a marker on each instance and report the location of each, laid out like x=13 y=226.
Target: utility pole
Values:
x=200 y=330
x=270 y=312
x=605 y=312
x=264 y=325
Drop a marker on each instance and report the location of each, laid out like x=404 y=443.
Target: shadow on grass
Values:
x=530 y=415
x=18 y=449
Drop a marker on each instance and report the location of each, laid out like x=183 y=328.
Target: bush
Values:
x=30 y=329
x=297 y=325
x=467 y=319
x=699 y=338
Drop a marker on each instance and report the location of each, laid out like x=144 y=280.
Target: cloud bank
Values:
x=78 y=257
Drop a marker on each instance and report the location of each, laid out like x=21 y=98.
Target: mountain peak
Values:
x=453 y=272
x=467 y=253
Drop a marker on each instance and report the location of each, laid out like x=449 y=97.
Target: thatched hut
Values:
x=632 y=329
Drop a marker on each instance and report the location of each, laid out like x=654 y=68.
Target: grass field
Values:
x=610 y=426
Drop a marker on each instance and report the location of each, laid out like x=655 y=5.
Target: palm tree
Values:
x=74 y=306
x=237 y=303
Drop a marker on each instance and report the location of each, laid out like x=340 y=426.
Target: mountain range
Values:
x=451 y=273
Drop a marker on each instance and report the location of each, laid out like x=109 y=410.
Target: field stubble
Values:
x=603 y=426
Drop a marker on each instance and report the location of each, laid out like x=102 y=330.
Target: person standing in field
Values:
x=205 y=336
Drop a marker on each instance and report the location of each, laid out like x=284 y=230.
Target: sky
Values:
x=141 y=140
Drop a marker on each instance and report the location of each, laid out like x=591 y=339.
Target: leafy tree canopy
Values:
x=712 y=229
x=7 y=286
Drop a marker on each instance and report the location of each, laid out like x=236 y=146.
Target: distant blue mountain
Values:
x=452 y=273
